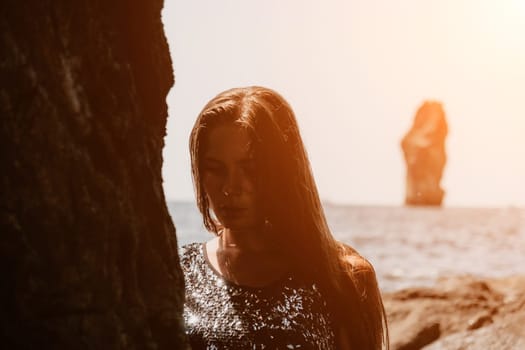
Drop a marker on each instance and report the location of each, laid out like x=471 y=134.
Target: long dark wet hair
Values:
x=290 y=205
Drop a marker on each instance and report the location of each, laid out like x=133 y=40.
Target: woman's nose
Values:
x=232 y=184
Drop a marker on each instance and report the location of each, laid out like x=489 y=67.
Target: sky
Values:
x=355 y=73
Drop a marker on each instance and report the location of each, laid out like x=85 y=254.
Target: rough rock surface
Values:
x=459 y=313
x=424 y=151
x=88 y=254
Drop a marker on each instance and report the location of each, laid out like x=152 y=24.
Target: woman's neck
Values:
x=246 y=258
x=248 y=241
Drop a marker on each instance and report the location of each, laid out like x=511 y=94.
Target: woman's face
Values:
x=227 y=171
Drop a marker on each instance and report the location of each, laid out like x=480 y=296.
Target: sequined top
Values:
x=219 y=314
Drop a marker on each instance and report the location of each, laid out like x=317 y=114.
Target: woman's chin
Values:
x=238 y=224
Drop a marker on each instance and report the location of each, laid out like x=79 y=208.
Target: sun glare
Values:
x=519 y=5
x=502 y=24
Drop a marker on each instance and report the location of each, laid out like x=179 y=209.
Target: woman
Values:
x=273 y=277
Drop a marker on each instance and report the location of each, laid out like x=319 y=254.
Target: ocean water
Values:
x=412 y=246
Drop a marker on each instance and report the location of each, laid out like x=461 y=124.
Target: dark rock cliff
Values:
x=88 y=253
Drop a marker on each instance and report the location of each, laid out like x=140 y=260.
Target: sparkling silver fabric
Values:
x=222 y=315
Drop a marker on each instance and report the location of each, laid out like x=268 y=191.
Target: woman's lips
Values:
x=232 y=212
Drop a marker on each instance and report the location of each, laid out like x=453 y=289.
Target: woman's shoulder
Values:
x=191 y=247
x=360 y=269
x=355 y=261
x=189 y=252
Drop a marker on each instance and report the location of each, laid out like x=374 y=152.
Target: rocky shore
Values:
x=459 y=313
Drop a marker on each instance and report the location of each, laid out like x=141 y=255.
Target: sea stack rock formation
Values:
x=424 y=151
x=88 y=252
